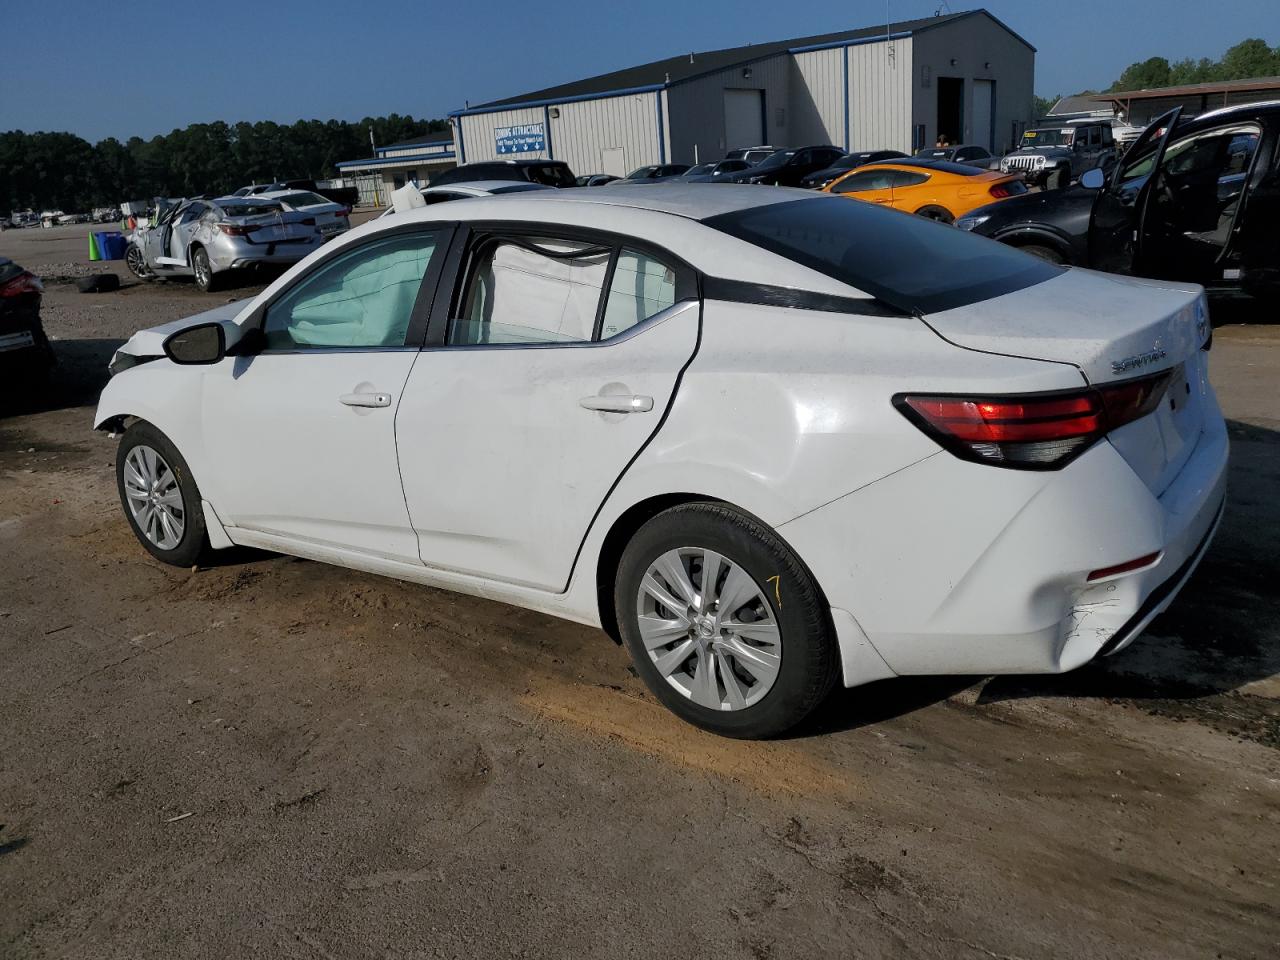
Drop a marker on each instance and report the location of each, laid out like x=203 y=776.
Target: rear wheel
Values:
x=160 y=497
x=939 y=214
x=723 y=622
x=206 y=279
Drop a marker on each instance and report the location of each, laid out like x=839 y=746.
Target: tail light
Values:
x=236 y=230
x=1035 y=431
x=1009 y=188
x=308 y=222
x=21 y=284
x=344 y=212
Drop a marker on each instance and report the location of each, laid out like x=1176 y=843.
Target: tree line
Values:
x=44 y=171
x=1246 y=60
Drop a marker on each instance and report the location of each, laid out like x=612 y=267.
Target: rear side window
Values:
x=641 y=287
x=533 y=291
x=553 y=175
x=907 y=262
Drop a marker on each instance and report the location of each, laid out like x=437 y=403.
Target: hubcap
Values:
x=154 y=499
x=709 y=629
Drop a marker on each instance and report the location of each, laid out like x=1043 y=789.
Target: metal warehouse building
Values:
x=893 y=86
x=395 y=164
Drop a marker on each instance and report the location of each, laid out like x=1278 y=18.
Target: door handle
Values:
x=366 y=399
x=617 y=404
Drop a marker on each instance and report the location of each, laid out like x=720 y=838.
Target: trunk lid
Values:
x=1112 y=328
x=278 y=227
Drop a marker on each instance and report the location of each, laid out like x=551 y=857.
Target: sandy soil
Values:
x=274 y=758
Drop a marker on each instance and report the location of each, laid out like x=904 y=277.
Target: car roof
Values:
x=288 y=192
x=482 y=187
x=928 y=163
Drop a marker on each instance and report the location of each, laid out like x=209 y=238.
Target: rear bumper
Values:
x=236 y=252
x=957 y=568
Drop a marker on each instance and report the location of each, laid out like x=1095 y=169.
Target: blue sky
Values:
x=145 y=68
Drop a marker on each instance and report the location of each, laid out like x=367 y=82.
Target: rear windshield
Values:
x=249 y=208
x=905 y=261
x=553 y=175
x=942 y=153
x=960 y=169
x=302 y=199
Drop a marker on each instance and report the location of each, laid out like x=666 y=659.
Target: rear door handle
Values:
x=366 y=399
x=617 y=404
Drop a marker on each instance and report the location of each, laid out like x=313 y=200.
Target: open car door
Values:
x=1116 y=227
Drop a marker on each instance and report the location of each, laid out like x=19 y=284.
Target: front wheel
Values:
x=160 y=498
x=137 y=263
x=723 y=622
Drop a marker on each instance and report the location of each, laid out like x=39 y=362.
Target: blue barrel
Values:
x=111 y=244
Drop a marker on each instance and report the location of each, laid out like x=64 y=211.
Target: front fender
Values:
x=167 y=396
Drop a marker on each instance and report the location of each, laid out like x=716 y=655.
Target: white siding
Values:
x=478 y=137
x=696 y=108
x=585 y=129
x=880 y=95
x=818 y=98
x=578 y=136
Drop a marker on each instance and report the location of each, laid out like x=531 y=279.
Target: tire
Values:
x=1044 y=253
x=206 y=279
x=98 y=283
x=162 y=462
x=939 y=214
x=1060 y=180
x=137 y=263
x=789 y=676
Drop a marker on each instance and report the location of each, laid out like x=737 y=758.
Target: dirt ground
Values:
x=274 y=758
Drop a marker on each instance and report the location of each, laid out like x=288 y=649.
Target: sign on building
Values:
x=527 y=138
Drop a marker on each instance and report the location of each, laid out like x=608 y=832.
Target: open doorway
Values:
x=951 y=108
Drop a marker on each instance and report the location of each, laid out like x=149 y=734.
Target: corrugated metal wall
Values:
x=579 y=135
x=880 y=95
x=478 y=136
x=585 y=129
x=696 y=108
x=817 y=98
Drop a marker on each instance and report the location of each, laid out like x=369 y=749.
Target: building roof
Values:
x=1082 y=103
x=426 y=139
x=688 y=66
x=1194 y=89
x=412 y=160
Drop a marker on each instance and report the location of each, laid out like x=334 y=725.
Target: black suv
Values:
x=820 y=178
x=1193 y=200
x=1054 y=156
x=786 y=168
x=554 y=173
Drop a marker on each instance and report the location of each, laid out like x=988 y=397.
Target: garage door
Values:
x=743 y=118
x=984 y=96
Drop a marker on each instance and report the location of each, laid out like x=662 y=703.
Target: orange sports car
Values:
x=937 y=189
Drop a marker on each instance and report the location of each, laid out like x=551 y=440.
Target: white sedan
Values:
x=770 y=440
x=331 y=218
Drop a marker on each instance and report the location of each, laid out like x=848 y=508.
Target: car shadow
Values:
x=75 y=380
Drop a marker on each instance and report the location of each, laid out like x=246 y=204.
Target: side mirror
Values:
x=203 y=343
x=1093 y=179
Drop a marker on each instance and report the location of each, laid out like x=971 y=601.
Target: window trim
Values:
x=474 y=236
x=422 y=304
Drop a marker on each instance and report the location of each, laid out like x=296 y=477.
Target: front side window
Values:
x=363 y=298
x=535 y=290
x=641 y=287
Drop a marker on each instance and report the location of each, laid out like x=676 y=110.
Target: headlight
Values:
x=969 y=223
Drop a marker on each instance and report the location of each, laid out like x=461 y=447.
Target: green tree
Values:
x=1153 y=72
x=1040 y=106
x=1250 y=58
